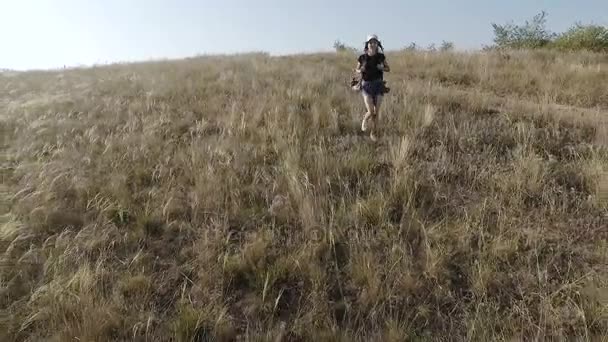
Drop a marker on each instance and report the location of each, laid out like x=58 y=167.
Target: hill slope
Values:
x=235 y=196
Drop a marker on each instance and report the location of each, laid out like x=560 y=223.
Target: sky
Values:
x=43 y=34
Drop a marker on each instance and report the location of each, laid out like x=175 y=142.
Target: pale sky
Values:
x=40 y=34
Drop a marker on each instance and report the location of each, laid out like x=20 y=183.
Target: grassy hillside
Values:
x=218 y=198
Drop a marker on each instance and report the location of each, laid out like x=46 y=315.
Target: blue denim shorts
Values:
x=373 y=88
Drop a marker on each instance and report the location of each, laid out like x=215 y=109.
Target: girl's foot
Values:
x=364 y=122
x=373 y=137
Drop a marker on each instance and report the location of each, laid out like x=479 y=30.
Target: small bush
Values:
x=534 y=34
x=583 y=37
x=412 y=47
x=339 y=46
x=446 y=46
x=531 y=35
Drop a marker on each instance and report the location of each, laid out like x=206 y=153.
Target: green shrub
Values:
x=531 y=35
x=583 y=37
x=534 y=34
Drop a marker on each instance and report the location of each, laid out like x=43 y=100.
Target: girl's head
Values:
x=372 y=44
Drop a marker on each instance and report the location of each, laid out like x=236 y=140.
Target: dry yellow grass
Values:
x=227 y=197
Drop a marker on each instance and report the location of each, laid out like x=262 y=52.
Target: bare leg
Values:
x=369 y=104
x=375 y=117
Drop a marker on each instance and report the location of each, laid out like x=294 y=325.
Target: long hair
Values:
x=380 y=48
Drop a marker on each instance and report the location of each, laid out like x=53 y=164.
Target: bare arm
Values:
x=387 y=68
x=358 y=69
